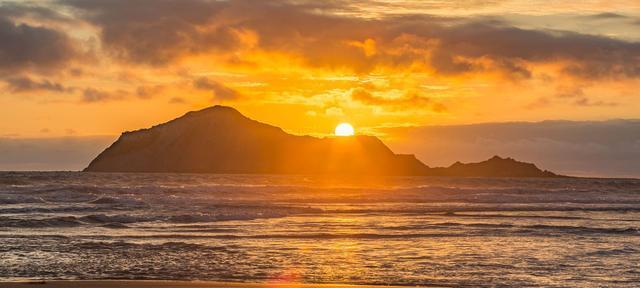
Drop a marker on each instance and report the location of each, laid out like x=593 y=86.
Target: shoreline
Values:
x=174 y=283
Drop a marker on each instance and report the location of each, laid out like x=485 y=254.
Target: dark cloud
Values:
x=156 y=31
x=92 y=95
x=220 y=92
x=23 y=46
x=147 y=92
x=592 y=56
x=26 y=84
x=445 y=63
x=513 y=69
x=160 y=31
x=17 y=10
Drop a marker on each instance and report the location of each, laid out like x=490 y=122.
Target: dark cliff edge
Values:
x=220 y=139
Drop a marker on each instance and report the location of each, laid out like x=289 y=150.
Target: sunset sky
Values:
x=86 y=68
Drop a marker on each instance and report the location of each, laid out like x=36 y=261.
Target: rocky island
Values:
x=220 y=139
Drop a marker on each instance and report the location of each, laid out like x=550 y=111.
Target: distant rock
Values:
x=220 y=139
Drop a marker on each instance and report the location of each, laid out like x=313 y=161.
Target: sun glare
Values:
x=344 y=129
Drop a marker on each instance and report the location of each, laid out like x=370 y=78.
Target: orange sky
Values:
x=103 y=67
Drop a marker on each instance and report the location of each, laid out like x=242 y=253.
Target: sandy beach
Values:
x=177 y=284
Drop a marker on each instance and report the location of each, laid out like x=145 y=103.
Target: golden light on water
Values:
x=344 y=129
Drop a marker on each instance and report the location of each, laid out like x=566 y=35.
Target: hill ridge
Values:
x=220 y=139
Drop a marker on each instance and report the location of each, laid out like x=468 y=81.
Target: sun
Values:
x=344 y=129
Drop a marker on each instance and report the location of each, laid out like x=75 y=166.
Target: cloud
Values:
x=587 y=148
x=23 y=46
x=26 y=84
x=31 y=10
x=584 y=101
x=590 y=56
x=410 y=100
x=220 y=92
x=92 y=95
x=134 y=31
x=149 y=91
x=177 y=100
x=577 y=95
x=156 y=31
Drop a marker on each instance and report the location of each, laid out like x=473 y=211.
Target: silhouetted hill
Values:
x=221 y=140
x=494 y=167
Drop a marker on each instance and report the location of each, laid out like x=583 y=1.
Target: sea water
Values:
x=474 y=232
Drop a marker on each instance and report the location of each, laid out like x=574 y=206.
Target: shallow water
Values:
x=402 y=230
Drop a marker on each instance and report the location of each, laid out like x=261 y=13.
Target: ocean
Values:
x=473 y=232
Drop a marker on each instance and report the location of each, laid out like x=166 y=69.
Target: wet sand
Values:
x=168 y=284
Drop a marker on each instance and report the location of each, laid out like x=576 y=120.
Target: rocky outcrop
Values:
x=494 y=167
x=220 y=139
